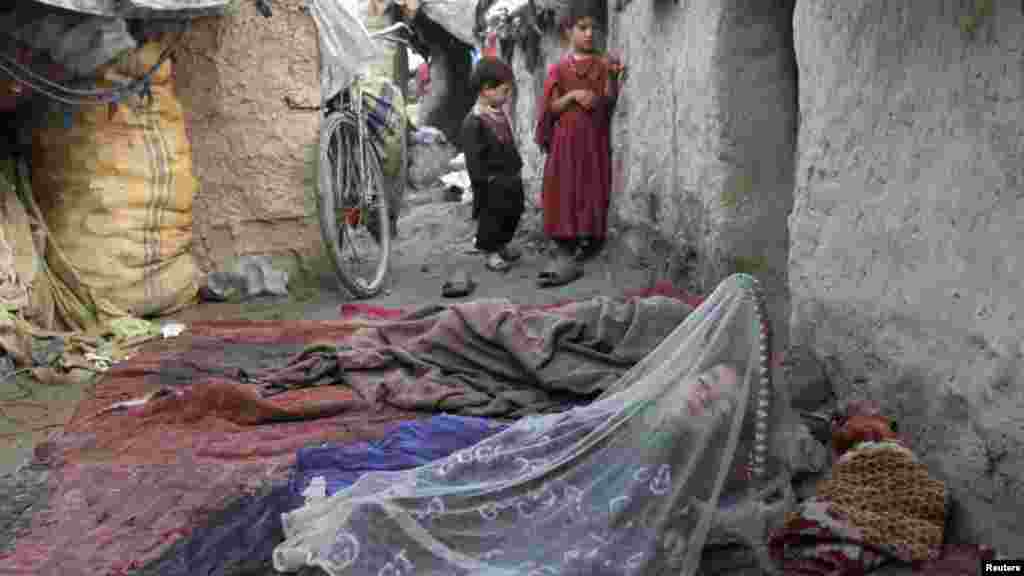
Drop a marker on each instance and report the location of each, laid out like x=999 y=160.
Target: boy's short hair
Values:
x=491 y=72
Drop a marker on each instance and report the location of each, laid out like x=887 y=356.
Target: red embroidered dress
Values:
x=577 y=173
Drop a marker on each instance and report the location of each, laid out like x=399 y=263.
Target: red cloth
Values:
x=125 y=486
x=423 y=79
x=577 y=173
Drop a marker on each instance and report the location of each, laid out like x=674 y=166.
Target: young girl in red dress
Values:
x=573 y=129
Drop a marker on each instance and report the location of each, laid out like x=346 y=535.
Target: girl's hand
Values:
x=584 y=98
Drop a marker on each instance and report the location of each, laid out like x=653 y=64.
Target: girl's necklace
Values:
x=582 y=66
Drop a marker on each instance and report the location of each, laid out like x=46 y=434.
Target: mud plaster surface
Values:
x=249 y=85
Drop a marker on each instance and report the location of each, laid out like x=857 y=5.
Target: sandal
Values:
x=458 y=285
x=559 y=272
x=589 y=250
x=496 y=263
x=510 y=253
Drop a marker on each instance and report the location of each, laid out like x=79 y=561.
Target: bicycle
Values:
x=353 y=197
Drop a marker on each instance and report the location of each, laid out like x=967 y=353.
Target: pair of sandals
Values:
x=560 y=271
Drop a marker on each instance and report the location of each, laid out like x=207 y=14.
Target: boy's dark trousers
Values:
x=499 y=206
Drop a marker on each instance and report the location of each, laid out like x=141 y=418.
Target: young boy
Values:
x=494 y=164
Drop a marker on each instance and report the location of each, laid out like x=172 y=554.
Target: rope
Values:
x=79 y=97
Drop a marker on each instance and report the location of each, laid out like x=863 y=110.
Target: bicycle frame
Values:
x=369 y=186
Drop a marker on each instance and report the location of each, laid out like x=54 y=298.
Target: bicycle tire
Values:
x=338 y=184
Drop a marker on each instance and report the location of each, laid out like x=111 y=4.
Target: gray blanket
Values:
x=491 y=358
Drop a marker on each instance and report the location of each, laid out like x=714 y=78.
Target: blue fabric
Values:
x=240 y=539
x=410 y=445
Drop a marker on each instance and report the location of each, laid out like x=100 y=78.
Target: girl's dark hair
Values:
x=580 y=9
x=490 y=73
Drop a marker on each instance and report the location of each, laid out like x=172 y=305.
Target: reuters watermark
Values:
x=1002 y=567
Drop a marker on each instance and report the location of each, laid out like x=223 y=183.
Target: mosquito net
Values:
x=629 y=484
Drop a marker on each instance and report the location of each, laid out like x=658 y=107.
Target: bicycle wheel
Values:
x=355 y=218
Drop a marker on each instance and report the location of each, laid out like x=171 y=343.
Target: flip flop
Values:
x=559 y=273
x=459 y=285
x=511 y=253
x=589 y=251
x=498 y=264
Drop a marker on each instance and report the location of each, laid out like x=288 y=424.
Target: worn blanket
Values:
x=490 y=358
x=126 y=487
x=879 y=504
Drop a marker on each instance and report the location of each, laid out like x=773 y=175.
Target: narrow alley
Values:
x=260 y=312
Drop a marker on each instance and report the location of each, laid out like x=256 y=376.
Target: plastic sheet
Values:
x=629 y=484
x=458 y=17
x=142 y=8
x=345 y=45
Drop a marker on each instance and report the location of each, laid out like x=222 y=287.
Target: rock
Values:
x=808 y=382
x=251 y=276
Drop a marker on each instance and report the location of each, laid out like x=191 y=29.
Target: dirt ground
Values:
x=435 y=239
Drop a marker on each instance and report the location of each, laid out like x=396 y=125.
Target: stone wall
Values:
x=906 y=233
x=249 y=86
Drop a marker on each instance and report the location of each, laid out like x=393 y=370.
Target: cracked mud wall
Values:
x=249 y=85
x=705 y=134
x=907 y=232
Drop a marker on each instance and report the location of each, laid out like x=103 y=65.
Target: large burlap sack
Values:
x=115 y=186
